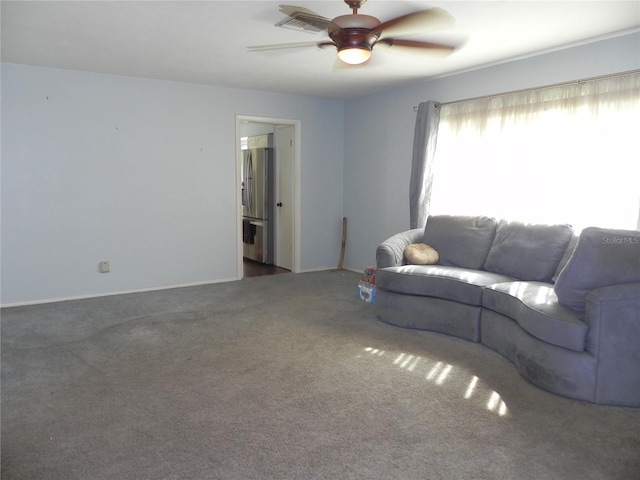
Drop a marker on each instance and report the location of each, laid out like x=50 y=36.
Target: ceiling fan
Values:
x=355 y=35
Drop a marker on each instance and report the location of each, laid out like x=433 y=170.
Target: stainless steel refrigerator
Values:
x=257 y=198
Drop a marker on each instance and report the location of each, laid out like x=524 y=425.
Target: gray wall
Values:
x=379 y=131
x=142 y=173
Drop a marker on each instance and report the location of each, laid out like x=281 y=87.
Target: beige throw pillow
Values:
x=421 y=254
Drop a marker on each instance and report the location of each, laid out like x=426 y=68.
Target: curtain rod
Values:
x=554 y=85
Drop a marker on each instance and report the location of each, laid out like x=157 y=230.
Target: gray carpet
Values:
x=280 y=377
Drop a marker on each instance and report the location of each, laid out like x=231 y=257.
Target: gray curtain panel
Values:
x=424 y=146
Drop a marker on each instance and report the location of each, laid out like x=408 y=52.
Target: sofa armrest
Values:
x=613 y=316
x=390 y=253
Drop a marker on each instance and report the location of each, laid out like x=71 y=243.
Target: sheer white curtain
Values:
x=564 y=154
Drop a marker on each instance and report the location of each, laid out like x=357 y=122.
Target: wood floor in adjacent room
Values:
x=257 y=269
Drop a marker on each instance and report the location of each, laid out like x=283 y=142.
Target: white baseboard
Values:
x=109 y=294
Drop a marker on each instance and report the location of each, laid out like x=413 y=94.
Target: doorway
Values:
x=286 y=215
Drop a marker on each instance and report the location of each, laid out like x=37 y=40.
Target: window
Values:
x=564 y=154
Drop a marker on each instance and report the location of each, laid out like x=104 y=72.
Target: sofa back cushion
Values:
x=528 y=251
x=602 y=257
x=461 y=241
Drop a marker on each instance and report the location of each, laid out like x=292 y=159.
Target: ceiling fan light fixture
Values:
x=354 y=55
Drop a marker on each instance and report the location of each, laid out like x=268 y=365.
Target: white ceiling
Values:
x=205 y=42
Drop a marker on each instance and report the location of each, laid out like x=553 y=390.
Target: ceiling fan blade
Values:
x=282 y=46
x=305 y=16
x=416 y=44
x=416 y=22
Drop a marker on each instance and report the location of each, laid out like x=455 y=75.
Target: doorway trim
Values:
x=240 y=119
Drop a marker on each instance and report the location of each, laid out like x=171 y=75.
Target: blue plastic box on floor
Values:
x=367 y=285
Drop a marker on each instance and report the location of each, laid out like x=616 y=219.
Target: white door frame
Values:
x=240 y=119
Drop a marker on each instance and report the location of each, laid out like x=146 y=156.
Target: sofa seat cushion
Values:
x=534 y=306
x=449 y=283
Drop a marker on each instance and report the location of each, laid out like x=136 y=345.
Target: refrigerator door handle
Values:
x=244 y=194
x=243 y=183
x=247 y=189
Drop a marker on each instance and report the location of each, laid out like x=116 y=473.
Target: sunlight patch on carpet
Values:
x=444 y=374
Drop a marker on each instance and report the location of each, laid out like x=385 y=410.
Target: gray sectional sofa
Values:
x=564 y=309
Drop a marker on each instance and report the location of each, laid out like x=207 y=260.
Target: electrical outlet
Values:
x=105 y=267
